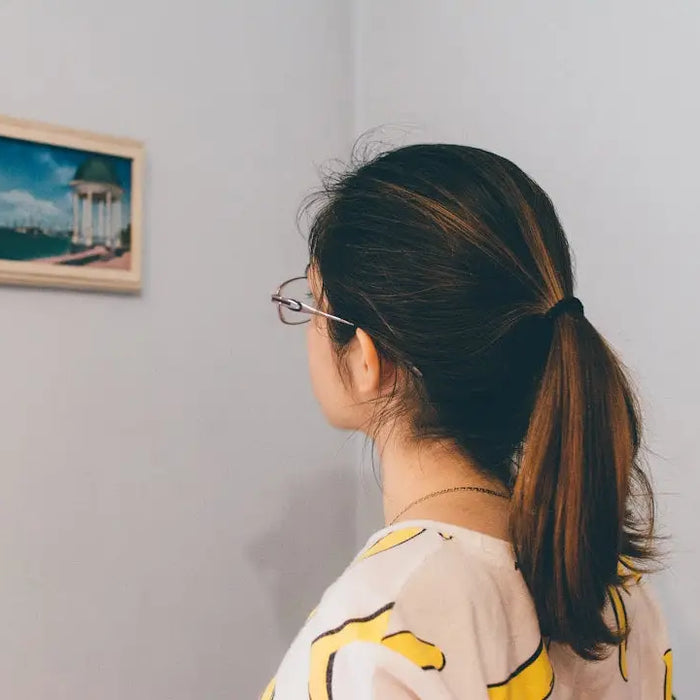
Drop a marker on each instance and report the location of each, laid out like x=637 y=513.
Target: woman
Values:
x=444 y=326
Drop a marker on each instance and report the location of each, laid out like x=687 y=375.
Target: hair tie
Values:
x=568 y=305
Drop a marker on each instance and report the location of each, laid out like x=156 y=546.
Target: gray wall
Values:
x=171 y=504
x=598 y=102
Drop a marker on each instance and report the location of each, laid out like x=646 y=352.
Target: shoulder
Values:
x=431 y=567
x=424 y=561
x=418 y=596
x=375 y=578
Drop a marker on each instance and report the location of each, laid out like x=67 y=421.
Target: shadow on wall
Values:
x=310 y=541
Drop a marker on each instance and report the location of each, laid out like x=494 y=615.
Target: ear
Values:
x=364 y=365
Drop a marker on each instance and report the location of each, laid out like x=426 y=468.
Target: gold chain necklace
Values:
x=480 y=489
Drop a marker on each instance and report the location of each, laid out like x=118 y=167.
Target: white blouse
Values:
x=432 y=611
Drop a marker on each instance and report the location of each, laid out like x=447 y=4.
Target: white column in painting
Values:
x=110 y=221
x=88 y=220
x=101 y=205
x=117 y=223
x=76 y=217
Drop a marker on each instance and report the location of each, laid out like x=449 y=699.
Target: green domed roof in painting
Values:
x=97 y=169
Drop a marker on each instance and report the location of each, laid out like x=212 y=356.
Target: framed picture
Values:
x=70 y=208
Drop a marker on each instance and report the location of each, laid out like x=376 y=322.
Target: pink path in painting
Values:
x=123 y=262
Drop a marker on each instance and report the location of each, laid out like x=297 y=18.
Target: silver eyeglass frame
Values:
x=300 y=307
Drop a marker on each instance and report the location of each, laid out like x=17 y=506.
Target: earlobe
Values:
x=367 y=367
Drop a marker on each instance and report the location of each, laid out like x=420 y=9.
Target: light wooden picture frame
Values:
x=70 y=208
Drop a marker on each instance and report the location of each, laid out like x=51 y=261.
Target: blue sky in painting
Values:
x=34 y=183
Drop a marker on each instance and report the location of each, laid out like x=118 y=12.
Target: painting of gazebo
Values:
x=70 y=208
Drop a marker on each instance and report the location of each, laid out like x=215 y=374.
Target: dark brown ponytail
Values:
x=571 y=493
x=450 y=258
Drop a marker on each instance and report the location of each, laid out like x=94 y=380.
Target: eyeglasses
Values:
x=293 y=300
x=294 y=312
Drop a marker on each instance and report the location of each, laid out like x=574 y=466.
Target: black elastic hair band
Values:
x=568 y=305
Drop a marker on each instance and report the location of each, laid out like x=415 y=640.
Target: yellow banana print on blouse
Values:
x=366 y=629
x=627 y=572
x=393 y=539
x=668 y=676
x=533 y=680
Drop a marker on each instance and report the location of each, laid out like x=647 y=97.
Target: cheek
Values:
x=326 y=381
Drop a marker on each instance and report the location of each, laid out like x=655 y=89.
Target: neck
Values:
x=412 y=470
